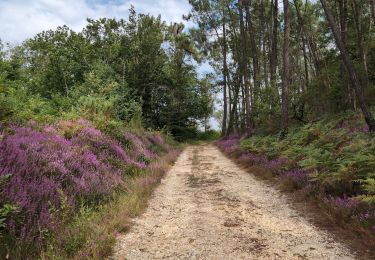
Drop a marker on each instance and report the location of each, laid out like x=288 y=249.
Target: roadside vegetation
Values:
x=331 y=160
x=58 y=178
x=298 y=88
x=88 y=119
x=88 y=123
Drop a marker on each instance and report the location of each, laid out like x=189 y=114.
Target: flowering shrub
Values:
x=337 y=149
x=298 y=177
x=43 y=167
x=276 y=165
x=229 y=145
x=138 y=148
x=352 y=208
x=158 y=144
x=62 y=166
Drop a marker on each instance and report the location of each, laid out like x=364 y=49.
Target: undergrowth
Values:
x=64 y=185
x=92 y=233
x=332 y=159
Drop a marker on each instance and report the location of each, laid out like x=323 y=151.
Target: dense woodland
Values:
x=282 y=62
x=86 y=117
x=114 y=70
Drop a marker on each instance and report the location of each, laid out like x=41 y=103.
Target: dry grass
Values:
x=92 y=234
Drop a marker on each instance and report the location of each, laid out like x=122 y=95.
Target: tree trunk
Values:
x=304 y=40
x=244 y=69
x=349 y=67
x=308 y=39
x=286 y=73
x=273 y=56
x=232 y=119
x=225 y=71
x=357 y=13
x=253 y=47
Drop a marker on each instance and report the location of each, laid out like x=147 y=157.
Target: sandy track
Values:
x=208 y=208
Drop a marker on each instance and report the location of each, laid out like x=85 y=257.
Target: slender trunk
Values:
x=308 y=39
x=373 y=10
x=253 y=47
x=244 y=69
x=225 y=71
x=306 y=63
x=304 y=42
x=286 y=72
x=357 y=11
x=343 y=22
x=350 y=68
x=273 y=56
x=232 y=119
x=242 y=111
x=264 y=36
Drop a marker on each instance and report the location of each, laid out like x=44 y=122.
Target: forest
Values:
x=95 y=116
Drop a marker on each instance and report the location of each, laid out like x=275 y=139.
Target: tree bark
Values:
x=350 y=68
x=357 y=13
x=273 y=56
x=225 y=72
x=286 y=72
x=244 y=69
x=308 y=39
x=233 y=113
x=253 y=45
x=304 y=40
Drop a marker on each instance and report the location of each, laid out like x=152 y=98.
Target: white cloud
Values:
x=21 y=19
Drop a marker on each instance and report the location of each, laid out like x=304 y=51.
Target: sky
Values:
x=22 y=19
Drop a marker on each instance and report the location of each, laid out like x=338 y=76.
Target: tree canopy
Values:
x=111 y=70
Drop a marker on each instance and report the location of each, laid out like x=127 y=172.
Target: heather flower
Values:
x=156 y=142
x=342 y=202
x=157 y=139
x=42 y=163
x=68 y=162
x=275 y=165
x=138 y=148
x=354 y=209
x=298 y=176
x=229 y=145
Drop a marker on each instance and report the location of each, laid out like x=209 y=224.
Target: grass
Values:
x=92 y=233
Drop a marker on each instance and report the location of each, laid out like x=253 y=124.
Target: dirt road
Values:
x=209 y=208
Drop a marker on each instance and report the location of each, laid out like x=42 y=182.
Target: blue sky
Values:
x=21 y=19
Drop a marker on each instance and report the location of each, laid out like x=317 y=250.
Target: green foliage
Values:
x=5 y=211
x=336 y=149
x=114 y=70
x=210 y=135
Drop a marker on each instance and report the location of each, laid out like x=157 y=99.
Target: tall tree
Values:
x=225 y=75
x=273 y=56
x=286 y=72
x=244 y=63
x=353 y=76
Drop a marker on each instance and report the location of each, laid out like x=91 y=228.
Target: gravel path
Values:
x=208 y=208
